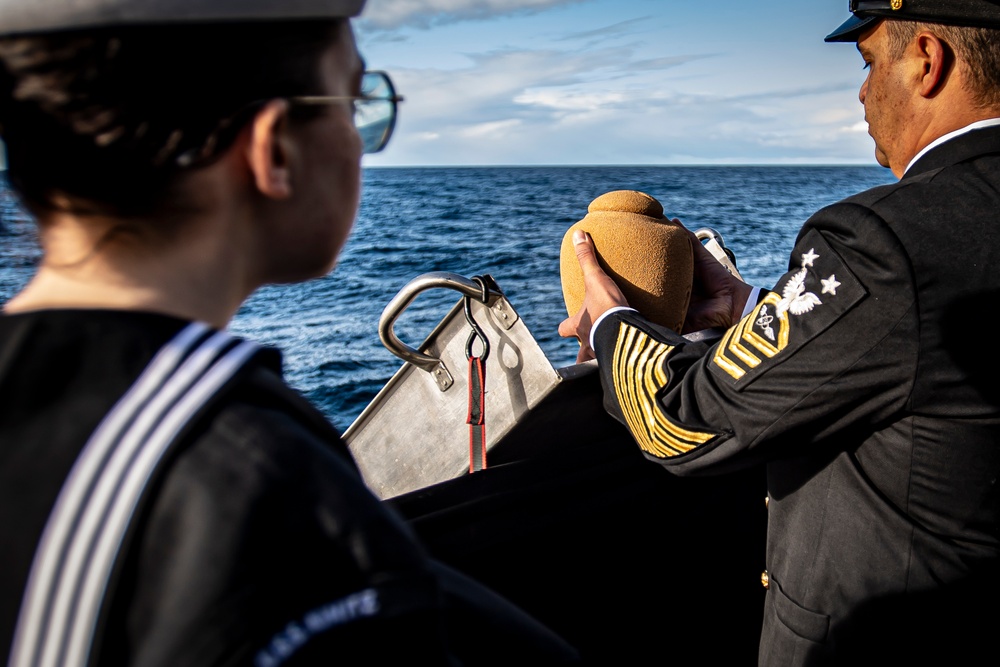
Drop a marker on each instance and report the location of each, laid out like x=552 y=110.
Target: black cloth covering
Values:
x=257 y=519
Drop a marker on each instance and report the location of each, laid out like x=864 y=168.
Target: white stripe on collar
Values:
x=76 y=556
x=978 y=125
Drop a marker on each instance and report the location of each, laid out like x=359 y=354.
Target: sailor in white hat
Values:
x=165 y=498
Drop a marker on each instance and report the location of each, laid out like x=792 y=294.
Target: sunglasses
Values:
x=374 y=117
x=374 y=109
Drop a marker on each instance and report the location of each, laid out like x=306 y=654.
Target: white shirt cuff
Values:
x=751 y=302
x=600 y=319
x=747 y=309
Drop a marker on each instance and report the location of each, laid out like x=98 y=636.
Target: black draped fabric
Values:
x=257 y=541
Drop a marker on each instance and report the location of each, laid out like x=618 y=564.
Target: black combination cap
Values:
x=864 y=14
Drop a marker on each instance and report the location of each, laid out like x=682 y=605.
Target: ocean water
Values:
x=504 y=221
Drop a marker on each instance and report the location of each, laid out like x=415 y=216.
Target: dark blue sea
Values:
x=504 y=221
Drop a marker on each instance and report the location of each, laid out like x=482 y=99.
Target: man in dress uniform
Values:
x=865 y=379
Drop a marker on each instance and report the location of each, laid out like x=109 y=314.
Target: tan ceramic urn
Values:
x=649 y=256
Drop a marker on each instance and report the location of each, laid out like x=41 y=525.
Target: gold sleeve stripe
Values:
x=720 y=359
x=761 y=344
x=639 y=373
x=766 y=347
x=737 y=349
x=633 y=406
x=737 y=359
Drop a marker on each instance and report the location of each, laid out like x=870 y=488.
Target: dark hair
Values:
x=978 y=48
x=103 y=121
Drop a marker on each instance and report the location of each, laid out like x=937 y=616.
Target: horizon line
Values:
x=512 y=165
x=624 y=164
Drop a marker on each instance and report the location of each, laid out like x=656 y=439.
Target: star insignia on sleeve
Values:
x=806 y=302
x=830 y=285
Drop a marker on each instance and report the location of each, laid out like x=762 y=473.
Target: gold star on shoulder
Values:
x=830 y=285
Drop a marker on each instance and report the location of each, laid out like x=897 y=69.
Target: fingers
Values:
x=601 y=294
x=585 y=252
x=567 y=328
x=571 y=328
x=601 y=291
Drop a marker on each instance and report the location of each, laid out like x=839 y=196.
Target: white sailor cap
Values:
x=36 y=16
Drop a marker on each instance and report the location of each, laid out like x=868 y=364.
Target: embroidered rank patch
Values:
x=639 y=374
x=805 y=303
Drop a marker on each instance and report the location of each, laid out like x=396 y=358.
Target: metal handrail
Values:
x=405 y=297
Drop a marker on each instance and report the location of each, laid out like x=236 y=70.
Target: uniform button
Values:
x=765 y=581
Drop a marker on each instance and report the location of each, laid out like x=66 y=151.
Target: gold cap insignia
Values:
x=896 y=4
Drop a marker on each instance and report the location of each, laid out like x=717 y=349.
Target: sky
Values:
x=617 y=82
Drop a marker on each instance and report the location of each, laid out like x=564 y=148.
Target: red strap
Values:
x=477 y=414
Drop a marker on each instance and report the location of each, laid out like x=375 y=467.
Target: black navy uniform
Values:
x=867 y=382
x=255 y=541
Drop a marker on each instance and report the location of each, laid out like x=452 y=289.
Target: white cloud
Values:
x=389 y=14
x=604 y=82
x=837 y=115
x=491 y=131
x=617 y=29
x=556 y=99
x=553 y=106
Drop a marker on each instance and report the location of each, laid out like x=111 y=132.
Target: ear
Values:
x=268 y=151
x=935 y=59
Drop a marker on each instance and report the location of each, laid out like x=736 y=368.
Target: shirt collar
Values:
x=978 y=125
